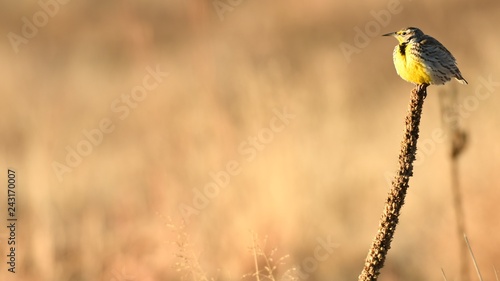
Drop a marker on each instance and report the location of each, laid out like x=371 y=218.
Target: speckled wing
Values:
x=441 y=63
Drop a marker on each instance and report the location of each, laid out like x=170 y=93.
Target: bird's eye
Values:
x=403 y=33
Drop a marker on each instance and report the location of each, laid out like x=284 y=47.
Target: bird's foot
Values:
x=422 y=89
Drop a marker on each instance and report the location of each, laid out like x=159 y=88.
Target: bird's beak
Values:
x=390 y=34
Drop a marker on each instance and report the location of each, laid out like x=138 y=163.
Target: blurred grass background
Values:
x=324 y=176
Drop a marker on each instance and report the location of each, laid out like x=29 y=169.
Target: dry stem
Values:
x=390 y=216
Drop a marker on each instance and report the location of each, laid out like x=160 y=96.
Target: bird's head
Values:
x=405 y=35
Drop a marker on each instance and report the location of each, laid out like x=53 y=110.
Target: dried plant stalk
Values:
x=458 y=142
x=390 y=217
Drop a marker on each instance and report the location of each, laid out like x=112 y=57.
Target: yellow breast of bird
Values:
x=409 y=66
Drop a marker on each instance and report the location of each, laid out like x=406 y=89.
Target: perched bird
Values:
x=422 y=60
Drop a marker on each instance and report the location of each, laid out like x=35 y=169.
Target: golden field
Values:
x=161 y=140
